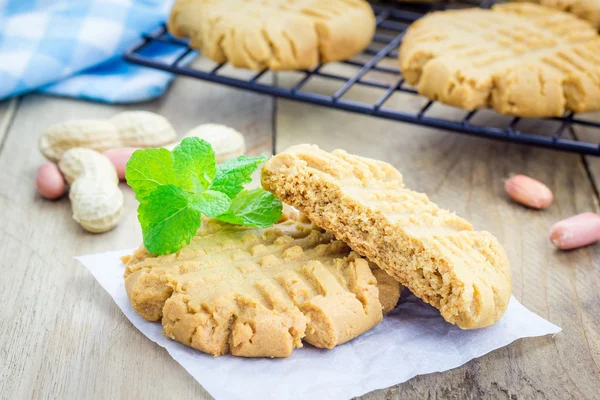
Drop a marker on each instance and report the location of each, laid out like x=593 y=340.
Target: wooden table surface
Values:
x=63 y=337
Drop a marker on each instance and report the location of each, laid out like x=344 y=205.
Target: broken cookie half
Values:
x=440 y=257
x=260 y=292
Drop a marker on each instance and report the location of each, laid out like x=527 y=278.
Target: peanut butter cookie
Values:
x=521 y=59
x=274 y=34
x=259 y=292
x=437 y=255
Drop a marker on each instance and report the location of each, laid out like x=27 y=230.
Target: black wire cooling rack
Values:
x=375 y=69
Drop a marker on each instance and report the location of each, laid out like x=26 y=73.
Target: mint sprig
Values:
x=175 y=188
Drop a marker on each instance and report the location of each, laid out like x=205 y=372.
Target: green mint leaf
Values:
x=232 y=175
x=168 y=220
x=148 y=169
x=176 y=188
x=194 y=163
x=211 y=203
x=257 y=208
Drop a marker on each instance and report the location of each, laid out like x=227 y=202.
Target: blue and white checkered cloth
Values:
x=74 y=47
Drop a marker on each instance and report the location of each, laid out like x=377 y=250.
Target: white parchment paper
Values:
x=412 y=340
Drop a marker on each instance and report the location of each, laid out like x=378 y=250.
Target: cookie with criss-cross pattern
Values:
x=519 y=58
x=274 y=34
x=260 y=292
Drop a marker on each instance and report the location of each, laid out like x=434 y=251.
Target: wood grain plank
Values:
x=62 y=336
x=466 y=175
x=8 y=109
x=591 y=135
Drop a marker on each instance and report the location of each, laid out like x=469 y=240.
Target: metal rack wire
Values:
x=378 y=59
